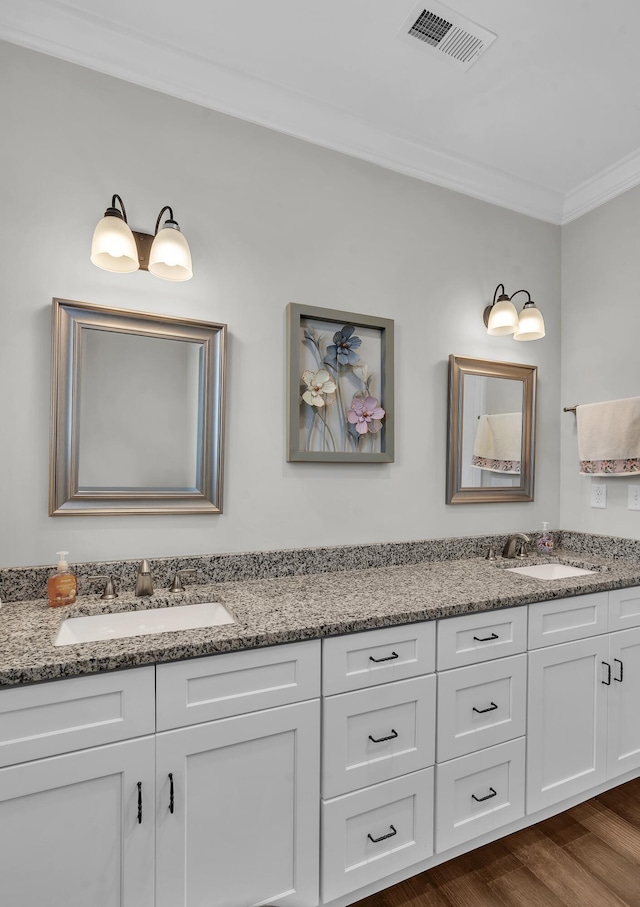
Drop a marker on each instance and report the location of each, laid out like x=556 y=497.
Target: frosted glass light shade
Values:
x=531 y=324
x=170 y=256
x=113 y=247
x=503 y=318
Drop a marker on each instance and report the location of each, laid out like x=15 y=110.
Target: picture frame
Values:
x=340 y=386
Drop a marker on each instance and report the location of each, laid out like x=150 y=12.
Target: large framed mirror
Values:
x=137 y=412
x=491 y=431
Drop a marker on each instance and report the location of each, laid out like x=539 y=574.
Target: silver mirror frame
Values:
x=69 y=319
x=459 y=366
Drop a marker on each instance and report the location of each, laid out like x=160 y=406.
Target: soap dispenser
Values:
x=545 y=542
x=62 y=587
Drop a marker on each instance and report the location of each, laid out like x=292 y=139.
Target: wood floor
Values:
x=588 y=856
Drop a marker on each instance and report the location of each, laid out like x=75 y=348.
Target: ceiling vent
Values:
x=444 y=33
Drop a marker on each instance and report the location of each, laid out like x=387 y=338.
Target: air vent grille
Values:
x=430 y=28
x=451 y=36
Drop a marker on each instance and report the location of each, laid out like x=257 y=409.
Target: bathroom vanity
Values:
x=321 y=769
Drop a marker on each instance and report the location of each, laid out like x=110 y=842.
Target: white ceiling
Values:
x=546 y=122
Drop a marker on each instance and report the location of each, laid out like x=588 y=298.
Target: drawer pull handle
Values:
x=491 y=708
x=488 y=797
x=486 y=638
x=621 y=678
x=139 y=802
x=384 y=837
x=391 y=657
x=171 y=792
x=607 y=682
x=392 y=736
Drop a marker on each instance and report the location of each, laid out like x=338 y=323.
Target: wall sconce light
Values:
x=501 y=317
x=118 y=248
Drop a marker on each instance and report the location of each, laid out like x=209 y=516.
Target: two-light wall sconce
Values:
x=501 y=317
x=116 y=247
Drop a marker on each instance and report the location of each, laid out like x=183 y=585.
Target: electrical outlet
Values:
x=599 y=496
x=633 y=501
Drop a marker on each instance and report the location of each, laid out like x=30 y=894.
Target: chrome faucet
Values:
x=144 y=580
x=518 y=540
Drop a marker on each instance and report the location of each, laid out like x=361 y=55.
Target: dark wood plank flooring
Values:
x=588 y=856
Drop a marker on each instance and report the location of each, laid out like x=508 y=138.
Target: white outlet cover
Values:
x=633 y=500
x=599 y=495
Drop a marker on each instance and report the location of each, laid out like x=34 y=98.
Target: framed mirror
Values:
x=137 y=412
x=491 y=431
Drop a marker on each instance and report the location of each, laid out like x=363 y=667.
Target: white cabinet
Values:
x=78 y=829
x=566 y=734
x=481 y=705
x=481 y=723
x=479 y=792
x=237 y=810
x=583 y=715
x=377 y=734
x=374 y=832
x=378 y=746
x=623 y=730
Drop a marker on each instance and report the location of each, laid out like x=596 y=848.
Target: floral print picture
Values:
x=341 y=405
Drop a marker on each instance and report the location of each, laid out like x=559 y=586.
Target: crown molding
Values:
x=61 y=31
x=607 y=184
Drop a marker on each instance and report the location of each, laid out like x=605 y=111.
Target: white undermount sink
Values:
x=549 y=571
x=141 y=623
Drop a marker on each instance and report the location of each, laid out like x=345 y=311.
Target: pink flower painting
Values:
x=366 y=415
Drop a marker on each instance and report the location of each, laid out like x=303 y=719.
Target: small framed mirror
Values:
x=137 y=412
x=491 y=431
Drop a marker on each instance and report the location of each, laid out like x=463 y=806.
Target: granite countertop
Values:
x=290 y=609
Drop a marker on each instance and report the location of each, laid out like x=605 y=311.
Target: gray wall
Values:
x=270 y=219
x=600 y=348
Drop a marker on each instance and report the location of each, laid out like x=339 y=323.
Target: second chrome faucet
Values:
x=516 y=545
x=144 y=580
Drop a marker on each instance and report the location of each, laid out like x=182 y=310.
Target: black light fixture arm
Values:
x=529 y=300
x=170 y=222
x=113 y=211
x=495 y=294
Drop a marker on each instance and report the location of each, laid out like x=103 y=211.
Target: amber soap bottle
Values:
x=62 y=587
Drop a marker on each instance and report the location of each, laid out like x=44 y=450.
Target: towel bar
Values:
x=570 y=409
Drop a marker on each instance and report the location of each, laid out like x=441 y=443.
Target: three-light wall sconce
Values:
x=118 y=248
x=501 y=317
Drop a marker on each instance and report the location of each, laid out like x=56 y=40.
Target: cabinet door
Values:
x=245 y=798
x=69 y=829
x=624 y=699
x=567 y=720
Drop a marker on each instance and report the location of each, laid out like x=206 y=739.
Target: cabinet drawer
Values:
x=624 y=608
x=375 y=832
x=481 y=705
x=218 y=686
x=360 y=660
x=478 y=793
x=372 y=735
x=566 y=619
x=72 y=714
x=472 y=638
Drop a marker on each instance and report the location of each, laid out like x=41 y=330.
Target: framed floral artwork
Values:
x=340 y=386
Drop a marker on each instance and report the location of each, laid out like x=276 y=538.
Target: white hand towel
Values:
x=498 y=443
x=609 y=437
